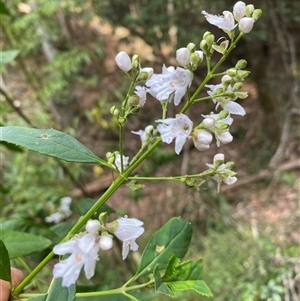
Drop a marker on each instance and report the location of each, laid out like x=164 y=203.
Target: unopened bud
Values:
x=191 y=47
x=105 y=241
x=218 y=159
x=241 y=64
x=209 y=38
x=241 y=95
x=205 y=47
x=92 y=226
x=223 y=114
x=145 y=73
x=242 y=73
x=225 y=137
x=134 y=100
x=229 y=165
x=226 y=81
x=122 y=120
x=114 y=111
x=231 y=72
x=183 y=56
x=249 y=10
x=256 y=14
x=237 y=86
x=209 y=122
x=246 y=24
x=239 y=10
x=110 y=157
x=123 y=61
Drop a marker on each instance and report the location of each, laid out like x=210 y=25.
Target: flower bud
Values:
x=183 y=56
x=242 y=73
x=225 y=137
x=145 y=73
x=191 y=47
x=223 y=114
x=241 y=95
x=105 y=241
x=226 y=81
x=237 y=86
x=209 y=38
x=256 y=14
x=201 y=147
x=230 y=165
x=246 y=24
x=249 y=9
x=122 y=120
x=230 y=180
x=204 y=137
x=218 y=159
x=200 y=56
x=92 y=226
x=209 y=122
x=123 y=61
x=241 y=64
x=134 y=100
x=114 y=111
x=205 y=47
x=231 y=72
x=239 y=10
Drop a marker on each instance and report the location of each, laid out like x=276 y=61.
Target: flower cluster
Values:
x=223 y=172
x=84 y=247
x=244 y=15
x=63 y=212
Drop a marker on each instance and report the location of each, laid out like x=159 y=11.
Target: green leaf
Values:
x=59 y=292
x=20 y=243
x=38 y=298
x=160 y=286
x=49 y=142
x=4 y=263
x=12 y=147
x=172 y=239
x=3 y=9
x=62 y=229
x=184 y=276
x=7 y=56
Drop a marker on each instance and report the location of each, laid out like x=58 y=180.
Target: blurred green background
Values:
x=65 y=77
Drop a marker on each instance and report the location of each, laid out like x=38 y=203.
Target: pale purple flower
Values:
x=225 y=22
x=128 y=230
x=141 y=92
x=178 y=128
x=123 y=61
x=171 y=82
x=84 y=253
x=225 y=102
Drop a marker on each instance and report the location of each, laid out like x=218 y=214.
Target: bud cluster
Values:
x=188 y=57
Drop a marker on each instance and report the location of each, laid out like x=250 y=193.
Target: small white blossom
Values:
x=123 y=61
x=239 y=10
x=55 y=217
x=118 y=162
x=84 y=253
x=178 y=128
x=246 y=24
x=141 y=92
x=106 y=242
x=171 y=81
x=128 y=230
x=183 y=56
x=63 y=212
x=224 y=101
x=148 y=71
x=93 y=226
x=143 y=134
x=202 y=139
x=225 y=22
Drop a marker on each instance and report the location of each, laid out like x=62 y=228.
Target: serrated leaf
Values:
x=59 y=292
x=160 y=286
x=186 y=276
x=4 y=263
x=172 y=239
x=49 y=142
x=7 y=56
x=20 y=243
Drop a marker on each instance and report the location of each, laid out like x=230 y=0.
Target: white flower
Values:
x=225 y=22
x=93 y=226
x=224 y=101
x=141 y=92
x=106 y=242
x=171 y=81
x=202 y=139
x=183 y=56
x=143 y=134
x=63 y=212
x=55 y=217
x=239 y=10
x=123 y=61
x=178 y=128
x=84 y=253
x=128 y=230
x=246 y=24
x=146 y=72
x=118 y=162
x=224 y=137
